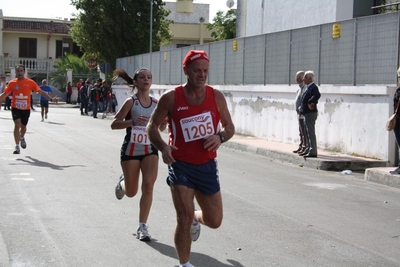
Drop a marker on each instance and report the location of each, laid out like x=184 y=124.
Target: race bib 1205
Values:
x=197 y=127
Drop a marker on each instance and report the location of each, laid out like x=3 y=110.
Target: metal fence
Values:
x=367 y=52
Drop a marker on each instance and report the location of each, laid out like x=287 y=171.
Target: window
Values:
x=28 y=47
x=182 y=45
x=59 y=48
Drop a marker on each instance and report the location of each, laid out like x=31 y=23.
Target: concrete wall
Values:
x=351 y=118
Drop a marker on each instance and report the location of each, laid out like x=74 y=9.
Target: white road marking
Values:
x=22 y=179
x=326 y=185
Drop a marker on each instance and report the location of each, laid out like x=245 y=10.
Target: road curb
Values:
x=382 y=176
x=324 y=163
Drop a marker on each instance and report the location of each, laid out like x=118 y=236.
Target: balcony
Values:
x=32 y=65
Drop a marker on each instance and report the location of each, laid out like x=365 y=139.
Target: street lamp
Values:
x=151 y=25
x=201 y=19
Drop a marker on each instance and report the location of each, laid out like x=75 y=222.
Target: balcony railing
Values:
x=32 y=65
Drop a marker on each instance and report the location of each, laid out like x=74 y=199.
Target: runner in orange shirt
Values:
x=21 y=88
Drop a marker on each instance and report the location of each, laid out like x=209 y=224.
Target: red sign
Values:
x=91 y=64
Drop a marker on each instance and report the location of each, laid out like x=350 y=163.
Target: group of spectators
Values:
x=96 y=96
x=306 y=107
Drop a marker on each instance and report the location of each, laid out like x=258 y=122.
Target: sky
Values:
x=61 y=9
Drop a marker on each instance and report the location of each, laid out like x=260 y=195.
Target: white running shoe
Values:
x=45 y=116
x=195 y=230
x=23 y=143
x=119 y=192
x=42 y=120
x=142 y=234
x=16 y=150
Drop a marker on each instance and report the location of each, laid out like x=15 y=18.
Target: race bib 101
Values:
x=139 y=135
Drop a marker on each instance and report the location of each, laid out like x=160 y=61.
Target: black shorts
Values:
x=44 y=104
x=21 y=114
x=139 y=158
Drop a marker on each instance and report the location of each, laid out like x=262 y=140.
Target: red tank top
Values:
x=190 y=125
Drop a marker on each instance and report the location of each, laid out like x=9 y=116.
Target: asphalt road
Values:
x=57 y=207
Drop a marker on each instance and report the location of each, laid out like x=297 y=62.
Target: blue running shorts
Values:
x=203 y=177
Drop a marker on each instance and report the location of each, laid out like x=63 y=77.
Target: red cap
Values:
x=194 y=55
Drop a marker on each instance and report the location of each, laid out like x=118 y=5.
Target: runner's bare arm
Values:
x=47 y=96
x=3 y=96
x=162 y=110
x=228 y=128
x=119 y=121
x=212 y=143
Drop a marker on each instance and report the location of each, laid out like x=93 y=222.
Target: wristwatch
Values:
x=221 y=137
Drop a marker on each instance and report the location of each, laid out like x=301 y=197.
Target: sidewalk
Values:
x=374 y=170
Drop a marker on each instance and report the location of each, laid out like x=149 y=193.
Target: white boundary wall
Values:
x=351 y=118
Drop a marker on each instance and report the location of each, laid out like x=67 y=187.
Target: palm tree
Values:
x=58 y=77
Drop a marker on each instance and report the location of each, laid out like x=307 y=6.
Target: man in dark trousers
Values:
x=84 y=98
x=308 y=108
x=302 y=126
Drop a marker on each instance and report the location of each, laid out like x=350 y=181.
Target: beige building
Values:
x=189 y=27
x=36 y=43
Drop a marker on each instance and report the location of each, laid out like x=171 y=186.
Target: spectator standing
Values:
x=44 y=103
x=69 y=92
x=89 y=89
x=309 y=109
x=114 y=103
x=84 y=98
x=2 y=86
x=105 y=89
x=300 y=117
x=109 y=105
x=78 y=87
x=95 y=99
x=100 y=104
x=198 y=122
x=396 y=129
x=7 y=102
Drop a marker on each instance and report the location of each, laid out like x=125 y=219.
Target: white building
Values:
x=255 y=17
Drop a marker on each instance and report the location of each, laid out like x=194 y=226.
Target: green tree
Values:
x=223 y=26
x=78 y=65
x=392 y=6
x=109 y=29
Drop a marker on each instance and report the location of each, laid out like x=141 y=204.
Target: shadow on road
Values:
x=9 y=119
x=197 y=259
x=56 y=123
x=39 y=163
